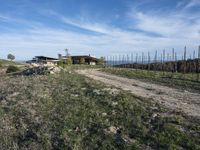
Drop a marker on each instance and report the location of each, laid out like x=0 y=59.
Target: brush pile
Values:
x=40 y=70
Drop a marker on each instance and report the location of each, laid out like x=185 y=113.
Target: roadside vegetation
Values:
x=7 y=62
x=70 y=111
x=79 y=66
x=177 y=80
x=12 y=68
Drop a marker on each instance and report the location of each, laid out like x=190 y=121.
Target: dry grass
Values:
x=69 y=111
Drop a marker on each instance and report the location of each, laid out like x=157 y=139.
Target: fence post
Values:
x=176 y=62
x=155 y=61
x=142 y=60
x=163 y=68
x=136 y=60
x=106 y=61
x=198 y=64
x=122 y=61
x=185 y=63
x=131 y=60
x=173 y=63
x=128 y=61
x=199 y=53
x=149 y=61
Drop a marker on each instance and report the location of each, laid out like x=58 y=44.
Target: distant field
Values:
x=70 y=111
x=177 y=80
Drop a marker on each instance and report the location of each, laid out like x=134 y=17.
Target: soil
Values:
x=180 y=101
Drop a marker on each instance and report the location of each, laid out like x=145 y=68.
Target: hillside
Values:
x=4 y=62
x=70 y=111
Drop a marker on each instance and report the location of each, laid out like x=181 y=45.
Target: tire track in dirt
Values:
x=172 y=98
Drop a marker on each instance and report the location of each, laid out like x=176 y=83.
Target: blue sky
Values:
x=97 y=27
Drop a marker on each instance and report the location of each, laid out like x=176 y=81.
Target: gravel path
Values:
x=172 y=98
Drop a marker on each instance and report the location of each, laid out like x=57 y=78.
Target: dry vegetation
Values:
x=69 y=111
x=176 y=80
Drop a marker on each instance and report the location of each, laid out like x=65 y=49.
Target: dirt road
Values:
x=186 y=102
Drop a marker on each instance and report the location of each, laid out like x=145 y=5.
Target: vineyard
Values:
x=165 y=62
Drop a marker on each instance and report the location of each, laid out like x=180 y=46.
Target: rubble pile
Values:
x=40 y=70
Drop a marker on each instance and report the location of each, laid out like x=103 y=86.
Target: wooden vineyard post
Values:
x=161 y=61
x=128 y=62
x=106 y=61
x=122 y=61
x=149 y=59
x=184 y=61
x=193 y=64
x=139 y=62
x=198 y=64
x=176 y=62
x=163 y=67
x=155 y=61
x=167 y=65
x=142 y=60
x=173 y=63
x=136 y=61
x=131 y=60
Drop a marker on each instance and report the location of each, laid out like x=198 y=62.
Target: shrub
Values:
x=101 y=61
x=82 y=60
x=69 y=61
x=0 y=65
x=12 y=69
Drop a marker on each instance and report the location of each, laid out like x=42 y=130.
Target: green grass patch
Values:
x=69 y=111
x=11 y=69
x=7 y=62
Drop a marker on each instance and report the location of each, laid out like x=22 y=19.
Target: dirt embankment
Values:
x=172 y=98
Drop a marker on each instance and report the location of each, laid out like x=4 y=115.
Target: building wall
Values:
x=92 y=63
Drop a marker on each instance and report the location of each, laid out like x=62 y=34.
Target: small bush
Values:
x=0 y=65
x=12 y=69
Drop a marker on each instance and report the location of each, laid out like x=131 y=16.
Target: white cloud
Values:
x=193 y=3
x=170 y=26
x=39 y=39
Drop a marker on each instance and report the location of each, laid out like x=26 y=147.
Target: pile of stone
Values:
x=40 y=70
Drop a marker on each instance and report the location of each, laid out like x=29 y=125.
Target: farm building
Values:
x=84 y=59
x=90 y=60
x=43 y=60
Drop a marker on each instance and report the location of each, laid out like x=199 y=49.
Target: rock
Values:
x=112 y=129
x=154 y=115
x=40 y=70
x=96 y=91
x=114 y=103
x=104 y=114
